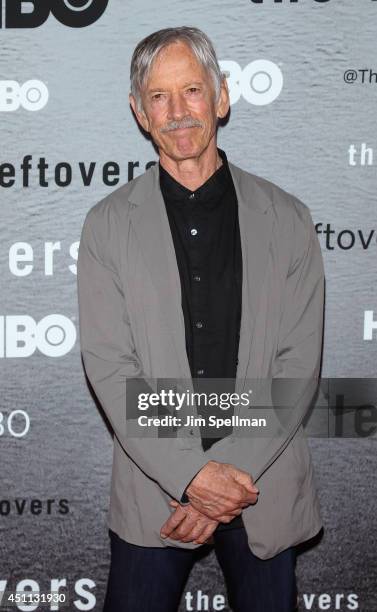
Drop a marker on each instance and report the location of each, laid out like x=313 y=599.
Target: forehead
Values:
x=176 y=62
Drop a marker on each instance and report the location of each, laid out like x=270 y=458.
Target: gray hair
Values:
x=148 y=48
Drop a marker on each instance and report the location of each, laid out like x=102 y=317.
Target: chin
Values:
x=181 y=155
x=193 y=150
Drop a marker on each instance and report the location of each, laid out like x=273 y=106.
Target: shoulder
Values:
x=114 y=208
x=282 y=201
x=265 y=193
x=293 y=222
x=106 y=223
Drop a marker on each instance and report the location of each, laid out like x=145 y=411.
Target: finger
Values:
x=249 y=499
x=206 y=533
x=226 y=506
x=232 y=504
x=183 y=530
x=202 y=533
x=226 y=518
x=241 y=495
x=196 y=530
x=245 y=480
x=174 y=503
x=193 y=534
x=173 y=521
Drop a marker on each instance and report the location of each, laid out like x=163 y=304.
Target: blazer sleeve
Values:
x=110 y=359
x=296 y=364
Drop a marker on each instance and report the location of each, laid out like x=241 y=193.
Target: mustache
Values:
x=186 y=122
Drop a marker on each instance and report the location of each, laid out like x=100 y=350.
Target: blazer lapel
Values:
x=256 y=223
x=150 y=222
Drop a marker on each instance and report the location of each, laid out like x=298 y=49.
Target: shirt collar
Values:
x=211 y=190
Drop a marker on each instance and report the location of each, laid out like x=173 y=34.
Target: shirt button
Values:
x=199 y=324
x=192 y=196
x=193 y=231
x=197 y=278
x=200 y=372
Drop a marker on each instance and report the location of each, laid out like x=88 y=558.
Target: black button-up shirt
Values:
x=206 y=236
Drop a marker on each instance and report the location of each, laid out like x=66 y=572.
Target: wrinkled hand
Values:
x=187 y=524
x=221 y=491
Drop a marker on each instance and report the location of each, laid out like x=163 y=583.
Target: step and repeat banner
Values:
x=303 y=83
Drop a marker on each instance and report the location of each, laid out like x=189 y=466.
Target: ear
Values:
x=140 y=115
x=223 y=102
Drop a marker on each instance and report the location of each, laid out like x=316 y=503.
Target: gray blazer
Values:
x=131 y=325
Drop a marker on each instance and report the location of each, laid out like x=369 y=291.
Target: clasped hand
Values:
x=217 y=494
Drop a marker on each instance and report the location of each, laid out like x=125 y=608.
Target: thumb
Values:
x=245 y=479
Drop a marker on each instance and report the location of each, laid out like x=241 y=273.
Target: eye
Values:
x=157 y=96
x=193 y=89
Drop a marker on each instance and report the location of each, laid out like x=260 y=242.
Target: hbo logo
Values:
x=33 y=13
x=7 y=424
x=32 y=95
x=20 y=335
x=260 y=82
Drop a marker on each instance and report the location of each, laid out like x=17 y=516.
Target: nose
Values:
x=177 y=107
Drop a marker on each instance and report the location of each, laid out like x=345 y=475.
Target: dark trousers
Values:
x=151 y=579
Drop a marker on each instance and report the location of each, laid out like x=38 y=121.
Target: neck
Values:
x=192 y=172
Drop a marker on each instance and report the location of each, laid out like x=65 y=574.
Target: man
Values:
x=200 y=269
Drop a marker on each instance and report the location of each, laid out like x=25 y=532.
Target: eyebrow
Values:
x=189 y=83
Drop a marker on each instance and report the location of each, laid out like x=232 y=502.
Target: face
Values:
x=179 y=107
